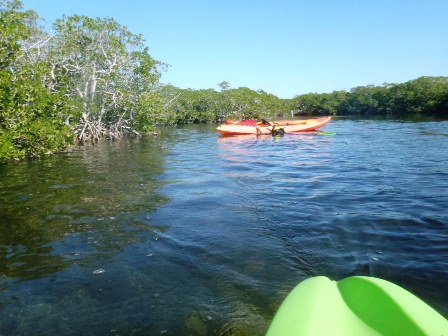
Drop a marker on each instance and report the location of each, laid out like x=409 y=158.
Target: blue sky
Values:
x=284 y=47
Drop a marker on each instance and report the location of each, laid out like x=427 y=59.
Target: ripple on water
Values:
x=194 y=234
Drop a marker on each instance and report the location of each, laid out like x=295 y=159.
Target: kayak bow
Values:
x=361 y=306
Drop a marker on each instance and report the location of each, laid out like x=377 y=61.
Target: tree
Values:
x=30 y=123
x=224 y=85
x=428 y=95
x=242 y=103
x=108 y=69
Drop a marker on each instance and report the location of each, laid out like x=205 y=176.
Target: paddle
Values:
x=326 y=133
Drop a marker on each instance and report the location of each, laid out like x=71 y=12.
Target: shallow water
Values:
x=193 y=234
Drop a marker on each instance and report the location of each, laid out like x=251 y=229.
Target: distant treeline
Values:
x=92 y=79
x=422 y=96
x=425 y=96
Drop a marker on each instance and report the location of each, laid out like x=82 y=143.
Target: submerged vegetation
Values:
x=93 y=79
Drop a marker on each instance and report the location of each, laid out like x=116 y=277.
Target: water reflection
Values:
x=68 y=209
x=25 y=249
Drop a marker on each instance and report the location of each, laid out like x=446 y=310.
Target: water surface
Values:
x=190 y=233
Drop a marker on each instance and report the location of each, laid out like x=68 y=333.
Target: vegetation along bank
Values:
x=91 y=79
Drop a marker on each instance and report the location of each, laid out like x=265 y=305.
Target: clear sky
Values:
x=284 y=47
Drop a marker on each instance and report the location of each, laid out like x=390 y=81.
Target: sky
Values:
x=284 y=47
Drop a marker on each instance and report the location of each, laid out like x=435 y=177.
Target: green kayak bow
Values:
x=361 y=306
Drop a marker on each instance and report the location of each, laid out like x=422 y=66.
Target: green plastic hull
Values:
x=360 y=306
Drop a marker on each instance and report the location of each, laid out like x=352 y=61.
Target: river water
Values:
x=193 y=234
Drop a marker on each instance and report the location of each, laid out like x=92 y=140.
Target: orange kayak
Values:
x=288 y=126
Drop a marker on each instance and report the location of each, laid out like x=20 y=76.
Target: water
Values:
x=192 y=234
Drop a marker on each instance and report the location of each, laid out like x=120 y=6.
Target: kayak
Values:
x=361 y=306
x=299 y=121
x=288 y=126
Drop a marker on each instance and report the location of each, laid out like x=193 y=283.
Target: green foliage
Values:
x=31 y=115
x=40 y=137
x=195 y=106
x=148 y=114
x=31 y=122
x=108 y=70
x=15 y=26
x=320 y=104
x=425 y=95
x=205 y=106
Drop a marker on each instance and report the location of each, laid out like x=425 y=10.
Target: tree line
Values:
x=422 y=96
x=91 y=78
